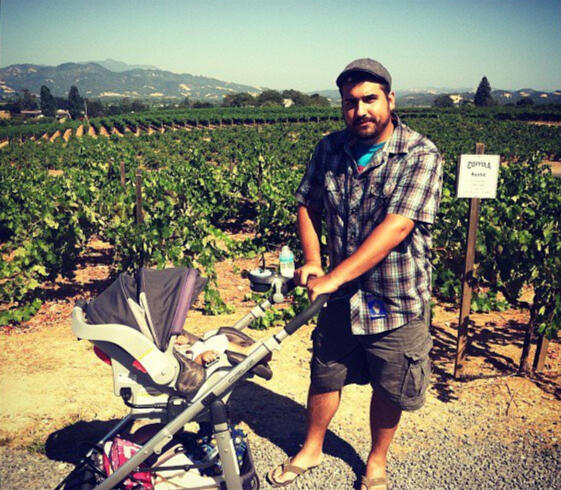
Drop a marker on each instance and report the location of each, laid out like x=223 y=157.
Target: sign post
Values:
x=476 y=179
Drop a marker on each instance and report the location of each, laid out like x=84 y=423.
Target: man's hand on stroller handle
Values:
x=311 y=276
x=318 y=286
x=304 y=273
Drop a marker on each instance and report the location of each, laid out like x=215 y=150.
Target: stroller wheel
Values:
x=254 y=483
x=81 y=478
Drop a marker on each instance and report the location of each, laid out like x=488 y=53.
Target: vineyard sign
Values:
x=478 y=176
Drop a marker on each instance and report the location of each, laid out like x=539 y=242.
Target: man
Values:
x=378 y=184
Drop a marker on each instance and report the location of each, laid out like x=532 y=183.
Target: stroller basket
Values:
x=134 y=323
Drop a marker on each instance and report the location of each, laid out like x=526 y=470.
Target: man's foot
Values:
x=377 y=483
x=285 y=473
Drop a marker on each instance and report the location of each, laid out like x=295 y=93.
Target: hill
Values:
x=111 y=78
x=94 y=80
x=425 y=97
x=119 y=66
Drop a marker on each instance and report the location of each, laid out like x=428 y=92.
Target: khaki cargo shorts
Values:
x=396 y=363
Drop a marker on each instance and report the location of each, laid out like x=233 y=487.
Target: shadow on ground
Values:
x=271 y=416
x=74 y=441
x=484 y=346
x=282 y=421
x=69 y=289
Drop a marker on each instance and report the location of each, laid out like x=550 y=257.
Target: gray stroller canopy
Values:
x=154 y=302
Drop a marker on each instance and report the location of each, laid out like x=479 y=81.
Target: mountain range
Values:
x=95 y=80
x=425 y=97
x=114 y=79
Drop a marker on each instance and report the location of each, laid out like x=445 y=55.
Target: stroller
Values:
x=134 y=325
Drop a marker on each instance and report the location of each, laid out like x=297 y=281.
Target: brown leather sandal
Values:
x=379 y=483
x=284 y=467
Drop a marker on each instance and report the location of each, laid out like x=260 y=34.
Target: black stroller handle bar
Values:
x=305 y=316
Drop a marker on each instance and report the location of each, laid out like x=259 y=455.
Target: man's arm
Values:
x=381 y=241
x=309 y=229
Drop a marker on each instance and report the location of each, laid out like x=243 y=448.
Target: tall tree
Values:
x=298 y=98
x=75 y=103
x=28 y=102
x=241 y=99
x=269 y=97
x=126 y=105
x=201 y=104
x=48 y=102
x=138 y=106
x=95 y=108
x=443 y=100
x=483 y=94
x=319 y=100
x=525 y=102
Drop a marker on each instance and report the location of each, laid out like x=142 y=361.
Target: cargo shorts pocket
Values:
x=417 y=374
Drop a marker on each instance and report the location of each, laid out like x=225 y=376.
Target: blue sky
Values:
x=298 y=44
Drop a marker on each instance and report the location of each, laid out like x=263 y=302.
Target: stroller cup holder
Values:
x=262 y=280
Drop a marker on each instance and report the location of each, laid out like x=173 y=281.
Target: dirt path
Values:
x=67 y=134
x=81 y=130
x=50 y=382
x=555 y=167
x=55 y=135
x=103 y=131
x=546 y=123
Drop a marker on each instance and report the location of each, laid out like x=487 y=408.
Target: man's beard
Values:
x=373 y=130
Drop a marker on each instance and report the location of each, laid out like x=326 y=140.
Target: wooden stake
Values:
x=541 y=353
x=139 y=215
x=465 y=304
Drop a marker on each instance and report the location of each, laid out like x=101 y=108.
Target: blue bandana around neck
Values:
x=364 y=153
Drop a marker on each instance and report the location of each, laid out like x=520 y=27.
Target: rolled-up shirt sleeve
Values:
x=417 y=193
x=310 y=190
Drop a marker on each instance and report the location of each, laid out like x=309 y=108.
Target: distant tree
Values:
x=96 y=108
x=525 y=102
x=300 y=99
x=15 y=107
x=200 y=104
x=48 y=102
x=483 y=94
x=28 y=101
x=126 y=105
x=61 y=103
x=269 y=97
x=185 y=102
x=113 y=110
x=138 y=106
x=25 y=102
x=297 y=98
x=241 y=99
x=75 y=103
x=443 y=100
x=319 y=100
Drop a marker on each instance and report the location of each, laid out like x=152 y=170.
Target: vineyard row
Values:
x=218 y=117
x=198 y=186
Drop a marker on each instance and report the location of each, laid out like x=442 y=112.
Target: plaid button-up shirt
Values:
x=404 y=178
